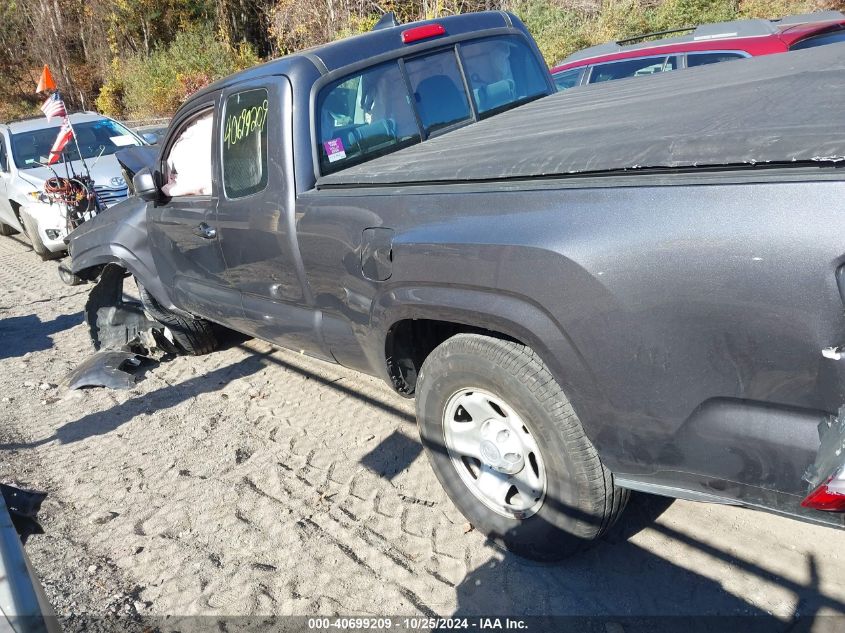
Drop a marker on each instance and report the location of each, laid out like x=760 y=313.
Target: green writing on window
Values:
x=240 y=125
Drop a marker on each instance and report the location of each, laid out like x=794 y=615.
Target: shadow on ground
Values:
x=22 y=334
x=341 y=388
x=618 y=585
x=102 y=422
x=392 y=455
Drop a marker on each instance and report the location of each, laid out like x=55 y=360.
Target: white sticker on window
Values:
x=334 y=149
x=123 y=140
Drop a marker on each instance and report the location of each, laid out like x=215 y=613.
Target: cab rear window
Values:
x=395 y=104
x=365 y=116
x=502 y=72
x=438 y=90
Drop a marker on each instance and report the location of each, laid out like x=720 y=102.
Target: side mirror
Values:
x=144 y=185
x=151 y=138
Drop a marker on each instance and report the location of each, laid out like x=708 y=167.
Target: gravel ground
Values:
x=258 y=481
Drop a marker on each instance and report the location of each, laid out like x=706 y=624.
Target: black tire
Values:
x=192 y=336
x=581 y=501
x=42 y=251
x=68 y=278
x=6 y=230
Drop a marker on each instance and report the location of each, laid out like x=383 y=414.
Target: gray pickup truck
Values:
x=631 y=286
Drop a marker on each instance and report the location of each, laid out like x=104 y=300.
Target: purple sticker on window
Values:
x=334 y=149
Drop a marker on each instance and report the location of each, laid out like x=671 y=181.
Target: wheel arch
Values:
x=89 y=265
x=118 y=236
x=16 y=211
x=412 y=321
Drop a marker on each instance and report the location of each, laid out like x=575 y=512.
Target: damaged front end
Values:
x=117 y=237
x=107 y=250
x=111 y=369
x=125 y=337
x=114 y=321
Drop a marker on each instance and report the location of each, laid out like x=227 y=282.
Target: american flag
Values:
x=65 y=134
x=54 y=106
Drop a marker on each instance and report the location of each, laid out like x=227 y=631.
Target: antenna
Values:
x=645 y=36
x=388 y=20
x=78 y=151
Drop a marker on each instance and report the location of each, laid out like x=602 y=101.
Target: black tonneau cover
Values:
x=774 y=109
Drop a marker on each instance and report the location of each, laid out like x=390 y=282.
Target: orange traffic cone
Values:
x=46 y=82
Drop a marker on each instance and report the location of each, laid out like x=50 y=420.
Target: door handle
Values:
x=205 y=231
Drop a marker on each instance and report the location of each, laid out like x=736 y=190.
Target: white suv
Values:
x=24 y=149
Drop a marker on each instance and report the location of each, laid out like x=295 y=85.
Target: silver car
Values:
x=24 y=150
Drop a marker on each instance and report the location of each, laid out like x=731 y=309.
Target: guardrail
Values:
x=138 y=123
x=23 y=605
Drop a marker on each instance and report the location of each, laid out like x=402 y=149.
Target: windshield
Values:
x=94 y=137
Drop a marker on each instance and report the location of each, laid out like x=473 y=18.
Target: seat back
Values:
x=440 y=102
x=372 y=136
x=496 y=94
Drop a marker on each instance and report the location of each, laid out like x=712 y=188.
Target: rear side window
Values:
x=567 y=79
x=438 y=89
x=632 y=68
x=702 y=59
x=502 y=71
x=819 y=40
x=244 y=143
x=364 y=116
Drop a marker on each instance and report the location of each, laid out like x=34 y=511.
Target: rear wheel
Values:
x=191 y=335
x=31 y=227
x=510 y=451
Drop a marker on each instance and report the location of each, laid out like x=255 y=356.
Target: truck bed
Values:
x=775 y=110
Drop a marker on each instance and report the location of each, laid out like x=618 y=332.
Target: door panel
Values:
x=191 y=264
x=183 y=230
x=255 y=216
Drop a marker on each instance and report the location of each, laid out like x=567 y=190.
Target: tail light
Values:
x=829 y=495
x=422 y=33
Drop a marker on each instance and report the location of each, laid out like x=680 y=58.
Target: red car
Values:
x=705 y=44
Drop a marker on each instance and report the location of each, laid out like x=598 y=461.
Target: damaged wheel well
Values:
x=112 y=320
x=92 y=273
x=16 y=209
x=117 y=322
x=410 y=341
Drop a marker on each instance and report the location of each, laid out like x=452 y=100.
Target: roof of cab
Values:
x=351 y=50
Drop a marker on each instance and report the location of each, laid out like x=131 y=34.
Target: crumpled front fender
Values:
x=118 y=236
